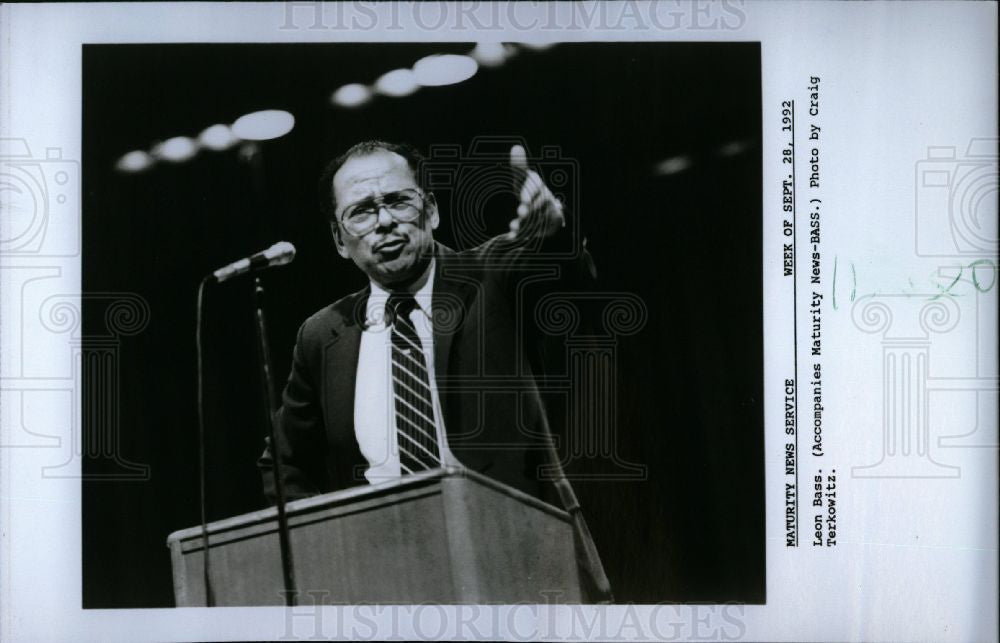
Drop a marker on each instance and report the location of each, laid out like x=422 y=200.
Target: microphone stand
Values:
x=595 y=579
x=264 y=352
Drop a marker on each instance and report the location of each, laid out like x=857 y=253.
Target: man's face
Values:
x=393 y=253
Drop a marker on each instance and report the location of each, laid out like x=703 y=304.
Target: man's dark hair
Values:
x=327 y=200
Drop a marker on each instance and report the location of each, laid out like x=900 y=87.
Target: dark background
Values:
x=689 y=244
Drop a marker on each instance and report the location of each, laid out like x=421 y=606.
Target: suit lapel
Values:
x=449 y=302
x=341 y=364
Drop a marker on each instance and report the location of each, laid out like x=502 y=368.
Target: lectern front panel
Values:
x=441 y=537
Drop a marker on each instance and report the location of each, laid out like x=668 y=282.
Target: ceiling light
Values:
x=218 y=138
x=264 y=125
x=136 y=161
x=176 y=149
x=351 y=95
x=398 y=82
x=444 y=69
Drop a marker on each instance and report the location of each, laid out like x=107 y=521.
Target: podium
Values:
x=442 y=536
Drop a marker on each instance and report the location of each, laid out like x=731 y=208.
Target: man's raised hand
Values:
x=539 y=211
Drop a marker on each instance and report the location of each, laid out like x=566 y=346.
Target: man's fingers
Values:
x=519 y=168
x=531 y=202
x=532 y=185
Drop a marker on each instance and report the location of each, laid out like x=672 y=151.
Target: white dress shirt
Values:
x=374 y=401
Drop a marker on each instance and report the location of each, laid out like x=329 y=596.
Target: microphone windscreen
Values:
x=280 y=253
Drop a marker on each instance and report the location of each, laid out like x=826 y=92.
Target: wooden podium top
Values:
x=359 y=498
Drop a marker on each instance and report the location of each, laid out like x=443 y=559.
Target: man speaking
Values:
x=430 y=364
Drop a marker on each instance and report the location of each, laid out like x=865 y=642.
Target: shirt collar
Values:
x=375 y=310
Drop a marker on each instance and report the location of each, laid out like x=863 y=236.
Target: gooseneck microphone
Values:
x=277 y=255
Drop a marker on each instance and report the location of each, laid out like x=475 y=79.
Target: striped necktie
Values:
x=416 y=432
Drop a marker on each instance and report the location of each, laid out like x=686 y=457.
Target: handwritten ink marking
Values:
x=835 y=282
x=975 y=280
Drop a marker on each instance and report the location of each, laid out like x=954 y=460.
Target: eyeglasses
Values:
x=403 y=206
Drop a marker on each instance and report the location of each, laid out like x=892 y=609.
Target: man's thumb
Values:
x=518 y=157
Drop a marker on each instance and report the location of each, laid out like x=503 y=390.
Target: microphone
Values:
x=277 y=255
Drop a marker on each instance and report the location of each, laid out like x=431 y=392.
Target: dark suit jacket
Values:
x=493 y=414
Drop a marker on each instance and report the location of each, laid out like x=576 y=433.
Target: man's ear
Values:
x=432 y=210
x=338 y=240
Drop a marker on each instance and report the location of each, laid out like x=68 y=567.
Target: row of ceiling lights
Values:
x=431 y=71
x=257 y=126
